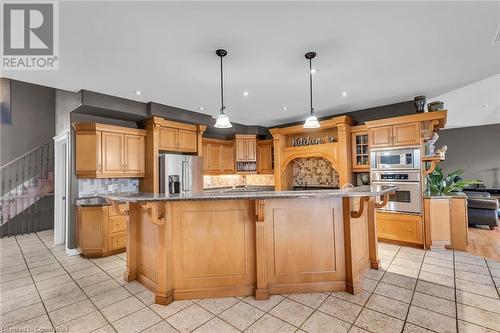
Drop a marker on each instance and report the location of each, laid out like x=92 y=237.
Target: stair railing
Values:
x=21 y=173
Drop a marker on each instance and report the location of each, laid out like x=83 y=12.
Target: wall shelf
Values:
x=434 y=161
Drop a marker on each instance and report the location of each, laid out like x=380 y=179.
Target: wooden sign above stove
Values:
x=320 y=145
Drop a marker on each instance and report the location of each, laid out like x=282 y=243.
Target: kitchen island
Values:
x=240 y=243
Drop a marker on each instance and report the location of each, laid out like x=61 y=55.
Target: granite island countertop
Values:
x=241 y=194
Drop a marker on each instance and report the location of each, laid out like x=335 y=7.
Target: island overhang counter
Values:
x=218 y=244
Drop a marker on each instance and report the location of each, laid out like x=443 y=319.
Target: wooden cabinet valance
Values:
x=106 y=151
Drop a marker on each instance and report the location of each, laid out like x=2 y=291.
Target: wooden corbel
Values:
x=356 y=214
x=154 y=218
x=259 y=210
x=117 y=210
x=383 y=203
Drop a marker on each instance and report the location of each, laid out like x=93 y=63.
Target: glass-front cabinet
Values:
x=360 y=155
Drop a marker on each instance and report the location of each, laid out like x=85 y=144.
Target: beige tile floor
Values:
x=42 y=289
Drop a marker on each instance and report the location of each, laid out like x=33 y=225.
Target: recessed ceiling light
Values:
x=245 y=93
x=202 y=108
x=313 y=71
x=285 y=108
x=138 y=92
x=486 y=105
x=344 y=93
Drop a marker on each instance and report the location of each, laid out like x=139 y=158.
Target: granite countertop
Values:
x=241 y=194
x=93 y=202
x=452 y=195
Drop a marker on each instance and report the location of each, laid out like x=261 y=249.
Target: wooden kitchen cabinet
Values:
x=177 y=139
x=246 y=148
x=381 y=136
x=265 y=157
x=227 y=159
x=134 y=157
x=218 y=157
x=106 y=151
x=407 y=134
x=400 y=227
x=360 y=153
x=100 y=231
x=112 y=153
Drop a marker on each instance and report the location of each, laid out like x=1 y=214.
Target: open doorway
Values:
x=61 y=189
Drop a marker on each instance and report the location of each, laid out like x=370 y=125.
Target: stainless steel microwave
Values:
x=395 y=158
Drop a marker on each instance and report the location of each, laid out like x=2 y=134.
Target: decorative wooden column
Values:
x=134 y=219
x=353 y=280
x=262 y=291
x=200 y=130
x=344 y=152
x=150 y=182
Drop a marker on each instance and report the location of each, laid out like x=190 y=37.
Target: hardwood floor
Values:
x=484 y=242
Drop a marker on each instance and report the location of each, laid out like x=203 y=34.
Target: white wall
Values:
x=473 y=105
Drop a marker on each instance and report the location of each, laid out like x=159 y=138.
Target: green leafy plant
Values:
x=438 y=184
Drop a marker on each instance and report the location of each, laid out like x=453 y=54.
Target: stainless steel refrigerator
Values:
x=188 y=169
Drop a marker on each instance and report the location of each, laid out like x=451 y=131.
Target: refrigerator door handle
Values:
x=183 y=180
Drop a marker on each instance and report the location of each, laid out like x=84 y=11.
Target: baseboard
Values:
x=72 y=252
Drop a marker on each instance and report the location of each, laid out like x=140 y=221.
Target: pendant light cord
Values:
x=311 y=86
x=221 y=88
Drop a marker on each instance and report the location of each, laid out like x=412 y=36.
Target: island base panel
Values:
x=221 y=248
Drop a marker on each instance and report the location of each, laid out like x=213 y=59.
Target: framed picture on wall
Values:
x=5 y=107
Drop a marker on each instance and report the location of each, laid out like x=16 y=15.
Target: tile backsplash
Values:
x=237 y=180
x=314 y=171
x=93 y=187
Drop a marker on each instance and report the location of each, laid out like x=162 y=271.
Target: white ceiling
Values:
x=378 y=52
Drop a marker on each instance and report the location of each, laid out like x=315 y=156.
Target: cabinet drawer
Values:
x=117 y=241
x=117 y=223
x=400 y=227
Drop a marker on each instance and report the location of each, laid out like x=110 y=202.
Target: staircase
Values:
x=27 y=192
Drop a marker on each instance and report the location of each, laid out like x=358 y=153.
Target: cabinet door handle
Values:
x=99 y=168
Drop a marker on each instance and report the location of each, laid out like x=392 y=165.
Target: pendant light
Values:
x=312 y=120
x=222 y=120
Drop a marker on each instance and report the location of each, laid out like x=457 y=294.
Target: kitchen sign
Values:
x=308 y=141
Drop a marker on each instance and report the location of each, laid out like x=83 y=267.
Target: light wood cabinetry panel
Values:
x=437 y=222
x=214 y=245
x=134 y=154
x=241 y=150
x=214 y=158
x=88 y=153
x=169 y=138
x=227 y=159
x=400 y=227
x=176 y=139
x=112 y=153
x=106 y=151
x=100 y=231
x=187 y=141
x=246 y=148
x=381 y=136
x=459 y=224
x=360 y=153
x=218 y=157
x=265 y=157
x=303 y=250
x=406 y=134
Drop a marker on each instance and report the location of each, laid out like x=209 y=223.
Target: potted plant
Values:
x=438 y=184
